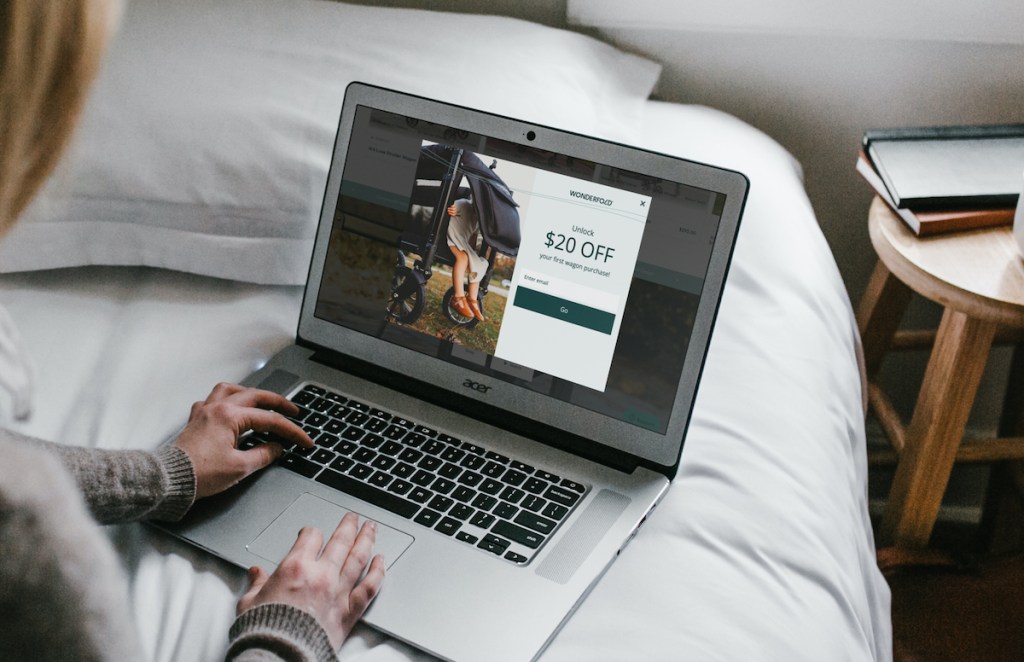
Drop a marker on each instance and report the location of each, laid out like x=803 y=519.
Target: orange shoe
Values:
x=477 y=313
x=461 y=307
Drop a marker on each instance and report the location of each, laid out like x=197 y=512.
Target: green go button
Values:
x=565 y=310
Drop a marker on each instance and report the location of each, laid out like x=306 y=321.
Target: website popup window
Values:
x=587 y=277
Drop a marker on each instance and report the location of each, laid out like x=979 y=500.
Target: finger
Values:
x=257 y=578
x=359 y=554
x=369 y=586
x=221 y=391
x=307 y=544
x=341 y=540
x=254 y=397
x=262 y=420
x=196 y=408
x=261 y=456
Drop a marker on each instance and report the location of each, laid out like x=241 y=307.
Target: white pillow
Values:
x=206 y=141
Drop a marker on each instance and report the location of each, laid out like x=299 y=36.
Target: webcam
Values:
x=530 y=135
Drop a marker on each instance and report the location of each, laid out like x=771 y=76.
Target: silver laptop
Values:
x=509 y=459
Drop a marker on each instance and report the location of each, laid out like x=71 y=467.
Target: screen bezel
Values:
x=648 y=446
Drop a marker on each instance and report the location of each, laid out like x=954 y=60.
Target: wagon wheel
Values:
x=456 y=316
x=408 y=295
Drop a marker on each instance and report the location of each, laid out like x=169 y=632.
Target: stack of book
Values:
x=943 y=179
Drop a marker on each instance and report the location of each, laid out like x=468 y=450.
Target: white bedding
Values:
x=762 y=549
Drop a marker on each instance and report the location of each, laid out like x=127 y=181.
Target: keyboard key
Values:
x=367 y=493
x=334 y=426
x=505 y=510
x=414 y=439
x=490 y=486
x=402 y=423
x=321 y=405
x=322 y=456
x=358 y=406
x=493 y=469
x=342 y=463
x=395 y=431
x=364 y=455
x=461 y=511
x=423 y=478
x=512 y=494
x=427 y=517
x=336 y=397
x=574 y=486
x=327 y=440
x=513 y=477
x=533 y=503
x=483 y=520
x=316 y=419
x=521 y=466
x=434 y=447
x=443 y=485
x=381 y=414
x=562 y=496
x=376 y=425
x=383 y=462
x=493 y=544
x=403 y=470
x=372 y=440
x=353 y=433
x=299 y=465
x=466 y=537
x=449 y=470
x=497 y=457
x=473 y=462
x=555 y=511
x=410 y=455
x=448 y=526
x=420 y=495
x=425 y=431
x=440 y=503
x=484 y=502
x=515 y=558
x=390 y=448
x=356 y=418
x=381 y=479
x=452 y=454
x=535 y=485
x=304 y=397
x=360 y=471
x=471 y=479
x=525 y=537
x=400 y=487
x=544 y=475
x=463 y=494
x=429 y=462
x=536 y=522
x=472 y=448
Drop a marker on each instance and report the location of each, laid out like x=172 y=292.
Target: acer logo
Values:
x=476 y=386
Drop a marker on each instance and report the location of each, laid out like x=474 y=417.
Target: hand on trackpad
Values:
x=308 y=510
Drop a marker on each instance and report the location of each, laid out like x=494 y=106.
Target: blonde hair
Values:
x=49 y=55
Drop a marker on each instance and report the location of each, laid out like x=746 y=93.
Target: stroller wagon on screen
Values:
x=439 y=177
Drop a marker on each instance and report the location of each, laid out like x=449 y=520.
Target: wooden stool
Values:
x=978 y=276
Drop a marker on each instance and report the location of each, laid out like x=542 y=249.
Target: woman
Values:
x=61 y=592
x=462 y=229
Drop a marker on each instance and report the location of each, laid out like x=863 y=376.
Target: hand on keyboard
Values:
x=214 y=425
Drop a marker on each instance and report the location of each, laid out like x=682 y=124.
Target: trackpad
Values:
x=308 y=510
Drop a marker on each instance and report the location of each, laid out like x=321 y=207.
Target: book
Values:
x=926 y=223
x=950 y=167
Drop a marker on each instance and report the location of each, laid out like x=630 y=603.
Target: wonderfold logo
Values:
x=590 y=198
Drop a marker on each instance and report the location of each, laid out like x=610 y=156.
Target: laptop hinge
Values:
x=480 y=411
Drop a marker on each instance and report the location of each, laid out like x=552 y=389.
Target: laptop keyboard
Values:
x=475 y=495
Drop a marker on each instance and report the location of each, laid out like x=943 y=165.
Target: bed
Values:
x=167 y=254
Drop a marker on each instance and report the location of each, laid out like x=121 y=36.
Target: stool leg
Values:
x=1002 y=522
x=940 y=417
x=879 y=313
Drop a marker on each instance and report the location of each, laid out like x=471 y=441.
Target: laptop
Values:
x=509 y=452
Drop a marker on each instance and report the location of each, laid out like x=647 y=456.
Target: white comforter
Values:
x=762 y=549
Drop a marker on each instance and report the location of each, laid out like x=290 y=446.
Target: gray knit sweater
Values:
x=63 y=595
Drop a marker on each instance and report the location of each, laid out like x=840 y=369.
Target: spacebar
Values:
x=379 y=498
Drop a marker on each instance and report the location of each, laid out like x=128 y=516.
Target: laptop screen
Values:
x=587 y=276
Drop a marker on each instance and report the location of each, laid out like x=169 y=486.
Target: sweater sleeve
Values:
x=127 y=485
x=278 y=633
